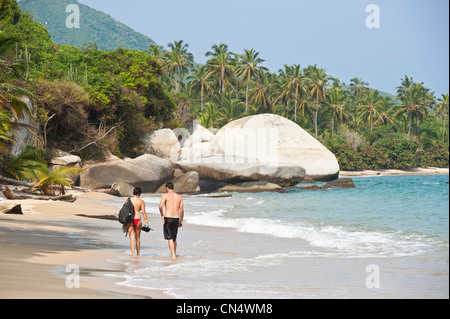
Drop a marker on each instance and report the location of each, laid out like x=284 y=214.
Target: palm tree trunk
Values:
x=371 y=122
x=332 y=125
x=201 y=98
x=315 y=117
x=443 y=134
x=410 y=122
x=246 y=98
x=222 y=75
x=177 y=84
x=295 y=104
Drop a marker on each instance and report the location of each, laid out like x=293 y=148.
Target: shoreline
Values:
x=36 y=247
x=396 y=172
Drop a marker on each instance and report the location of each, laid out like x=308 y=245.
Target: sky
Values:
x=348 y=38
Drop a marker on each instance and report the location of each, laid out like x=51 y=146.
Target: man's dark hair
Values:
x=137 y=191
x=169 y=185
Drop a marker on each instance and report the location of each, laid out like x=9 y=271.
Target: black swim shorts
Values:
x=171 y=228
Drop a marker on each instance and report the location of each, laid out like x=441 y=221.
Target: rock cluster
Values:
x=257 y=153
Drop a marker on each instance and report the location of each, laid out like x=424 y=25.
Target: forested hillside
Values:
x=95 y=26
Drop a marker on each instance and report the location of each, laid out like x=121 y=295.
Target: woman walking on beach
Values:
x=135 y=227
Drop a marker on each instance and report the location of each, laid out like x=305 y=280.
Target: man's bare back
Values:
x=173 y=204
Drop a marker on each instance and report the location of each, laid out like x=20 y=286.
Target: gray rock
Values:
x=340 y=183
x=67 y=160
x=235 y=170
x=147 y=172
x=11 y=209
x=164 y=144
x=186 y=183
x=253 y=187
x=123 y=189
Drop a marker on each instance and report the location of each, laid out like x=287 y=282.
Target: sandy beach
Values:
x=37 y=247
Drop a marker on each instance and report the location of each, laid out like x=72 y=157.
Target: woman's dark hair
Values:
x=137 y=191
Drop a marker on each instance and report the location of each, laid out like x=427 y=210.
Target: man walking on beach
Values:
x=173 y=217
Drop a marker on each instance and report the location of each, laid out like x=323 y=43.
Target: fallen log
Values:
x=9 y=194
x=15 y=182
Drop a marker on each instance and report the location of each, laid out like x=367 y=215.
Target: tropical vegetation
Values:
x=94 y=103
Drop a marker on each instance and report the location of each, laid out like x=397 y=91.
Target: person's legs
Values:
x=170 y=229
x=138 y=238
x=132 y=235
x=172 y=246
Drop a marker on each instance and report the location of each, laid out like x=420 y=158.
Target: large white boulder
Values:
x=272 y=138
x=200 y=135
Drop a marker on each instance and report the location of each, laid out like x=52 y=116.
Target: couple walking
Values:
x=172 y=218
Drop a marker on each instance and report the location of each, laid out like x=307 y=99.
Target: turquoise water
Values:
x=306 y=244
x=383 y=215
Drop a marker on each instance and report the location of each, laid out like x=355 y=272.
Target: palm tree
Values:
x=11 y=71
x=249 y=69
x=48 y=181
x=261 y=94
x=27 y=165
x=386 y=109
x=235 y=64
x=407 y=83
x=232 y=109
x=209 y=116
x=283 y=88
x=158 y=53
x=413 y=102
x=178 y=60
x=358 y=87
x=295 y=84
x=12 y=108
x=220 y=65
x=319 y=83
x=443 y=110
x=200 y=81
x=335 y=100
x=370 y=108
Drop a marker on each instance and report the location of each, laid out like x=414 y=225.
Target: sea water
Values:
x=386 y=238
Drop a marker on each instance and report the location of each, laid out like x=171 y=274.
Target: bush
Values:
x=400 y=151
x=435 y=156
x=68 y=103
x=348 y=158
x=373 y=157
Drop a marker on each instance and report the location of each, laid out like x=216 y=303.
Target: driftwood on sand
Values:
x=15 y=182
x=21 y=195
